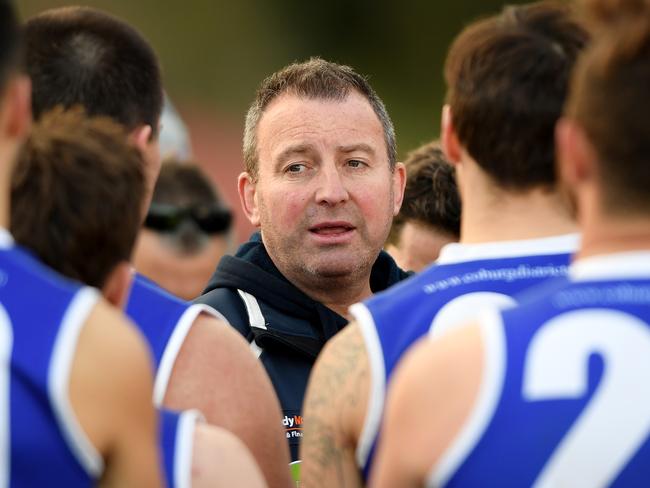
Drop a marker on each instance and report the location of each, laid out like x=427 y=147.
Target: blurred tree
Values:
x=214 y=53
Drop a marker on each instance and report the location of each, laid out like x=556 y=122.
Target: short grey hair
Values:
x=313 y=79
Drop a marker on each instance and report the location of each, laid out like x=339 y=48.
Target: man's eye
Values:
x=296 y=168
x=355 y=163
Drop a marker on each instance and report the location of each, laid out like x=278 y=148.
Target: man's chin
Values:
x=333 y=273
x=336 y=268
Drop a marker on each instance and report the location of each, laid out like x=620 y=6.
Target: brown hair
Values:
x=431 y=195
x=313 y=79
x=76 y=198
x=609 y=100
x=507 y=79
x=184 y=183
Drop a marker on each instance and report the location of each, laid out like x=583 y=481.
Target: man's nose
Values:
x=332 y=188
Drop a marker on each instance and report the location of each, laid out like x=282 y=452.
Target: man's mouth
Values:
x=331 y=228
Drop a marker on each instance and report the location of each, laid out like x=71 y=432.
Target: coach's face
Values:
x=325 y=195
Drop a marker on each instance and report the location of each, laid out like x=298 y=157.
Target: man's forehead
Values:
x=292 y=117
x=293 y=148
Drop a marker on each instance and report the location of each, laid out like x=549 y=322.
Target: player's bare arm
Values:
x=335 y=407
x=432 y=394
x=216 y=373
x=111 y=386
x=221 y=460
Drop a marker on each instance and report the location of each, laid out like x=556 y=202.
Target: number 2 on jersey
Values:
x=616 y=420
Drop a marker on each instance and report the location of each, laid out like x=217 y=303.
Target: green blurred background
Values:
x=215 y=52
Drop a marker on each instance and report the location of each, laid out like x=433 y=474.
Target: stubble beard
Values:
x=329 y=275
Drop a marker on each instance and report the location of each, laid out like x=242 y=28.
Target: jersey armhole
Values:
x=59 y=381
x=184 y=448
x=487 y=400
x=377 y=391
x=174 y=344
x=6 y=348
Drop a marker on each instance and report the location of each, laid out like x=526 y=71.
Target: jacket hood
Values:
x=252 y=270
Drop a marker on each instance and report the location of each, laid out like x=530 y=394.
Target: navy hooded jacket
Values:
x=285 y=327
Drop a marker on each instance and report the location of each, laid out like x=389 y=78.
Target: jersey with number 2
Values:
x=565 y=399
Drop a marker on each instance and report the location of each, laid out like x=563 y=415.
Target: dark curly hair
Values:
x=431 y=195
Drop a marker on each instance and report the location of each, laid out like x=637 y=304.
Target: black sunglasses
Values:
x=210 y=218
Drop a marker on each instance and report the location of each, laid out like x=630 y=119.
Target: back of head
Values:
x=507 y=79
x=313 y=79
x=81 y=56
x=431 y=196
x=76 y=195
x=9 y=41
x=609 y=100
x=184 y=184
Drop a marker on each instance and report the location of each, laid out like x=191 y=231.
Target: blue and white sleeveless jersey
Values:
x=177 y=442
x=466 y=278
x=165 y=321
x=565 y=396
x=41 y=315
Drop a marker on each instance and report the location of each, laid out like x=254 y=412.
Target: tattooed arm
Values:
x=334 y=411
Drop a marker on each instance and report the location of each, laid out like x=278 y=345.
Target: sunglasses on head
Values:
x=210 y=218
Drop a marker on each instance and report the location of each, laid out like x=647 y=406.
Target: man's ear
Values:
x=117 y=285
x=399 y=184
x=449 y=138
x=247 y=187
x=140 y=137
x=17 y=108
x=575 y=155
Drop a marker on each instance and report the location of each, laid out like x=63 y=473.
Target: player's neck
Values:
x=5 y=184
x=4 y=213
x=4 y=195
x=613 y=234
x=496 y=215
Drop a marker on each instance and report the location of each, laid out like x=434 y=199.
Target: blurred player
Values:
x=430 y=213
x=507 y=80
x=78 y=55
x=555 y=392
x=75 y=379
x=174 y=135
x=187 y=230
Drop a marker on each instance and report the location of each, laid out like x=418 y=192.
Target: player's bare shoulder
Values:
x=111 y=366
x=429 y=402
x=208 y=375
